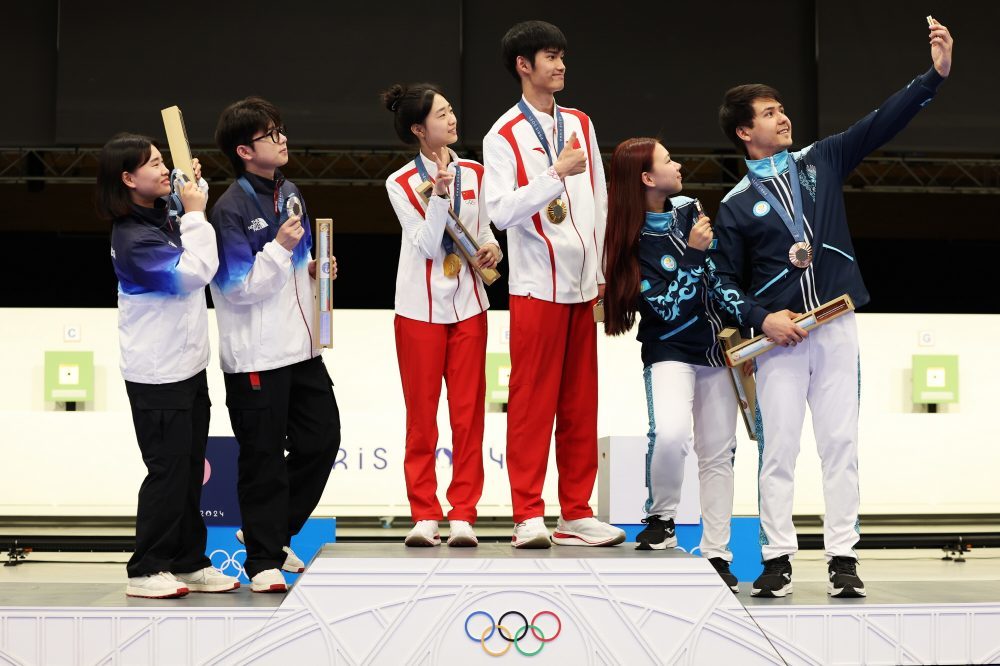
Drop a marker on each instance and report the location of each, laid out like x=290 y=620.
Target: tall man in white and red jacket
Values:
x=786 y=225
x=546 y=188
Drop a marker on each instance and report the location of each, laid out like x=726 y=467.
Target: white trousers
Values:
x=822 y=371
x=676 y=394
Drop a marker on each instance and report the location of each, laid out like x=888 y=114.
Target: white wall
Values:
x=87 y=463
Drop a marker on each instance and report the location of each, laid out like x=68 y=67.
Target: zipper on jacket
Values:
x=583 y=246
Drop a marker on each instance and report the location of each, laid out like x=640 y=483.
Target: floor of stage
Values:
x=891 y=576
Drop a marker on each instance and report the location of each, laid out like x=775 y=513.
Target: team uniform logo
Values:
x=258 y=225
x=669 y=263
x=515 y=638
x=761 y=208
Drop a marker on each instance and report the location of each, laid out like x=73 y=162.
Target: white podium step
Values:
x=387 y=604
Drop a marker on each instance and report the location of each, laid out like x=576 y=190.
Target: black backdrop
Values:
x=79 y=72
x=87 y=70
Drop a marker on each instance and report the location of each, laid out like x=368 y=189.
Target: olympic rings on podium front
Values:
x=513 y=638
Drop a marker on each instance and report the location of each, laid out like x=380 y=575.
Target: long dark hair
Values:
x=409 y=104
x=124 y=152
x=626 y=215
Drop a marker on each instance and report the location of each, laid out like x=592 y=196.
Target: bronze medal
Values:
x=452 y=265
x=800 y=254
x=556 y=211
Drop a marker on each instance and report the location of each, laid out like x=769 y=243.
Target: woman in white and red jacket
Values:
x=440 y=312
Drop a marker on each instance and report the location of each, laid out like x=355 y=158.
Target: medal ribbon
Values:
x=796 y=226
x=279 y=200
x=537 y=127
x=449 y=244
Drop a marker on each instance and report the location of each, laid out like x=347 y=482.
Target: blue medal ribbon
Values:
x=537 y=127
x=449 y=244
x=795 y=226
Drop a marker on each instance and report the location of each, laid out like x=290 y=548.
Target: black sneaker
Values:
x=658 y=535
x=776 y=581
x=722 y=568
x=844 y=581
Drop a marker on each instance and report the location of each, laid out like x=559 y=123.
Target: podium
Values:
x=388 y=604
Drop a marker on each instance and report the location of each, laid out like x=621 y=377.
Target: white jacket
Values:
x=162 y=269
x=263 y=294
x=423 y=291
x=562 y=263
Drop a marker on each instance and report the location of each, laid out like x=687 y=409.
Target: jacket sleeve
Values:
x=425 y=234
x=846 y=150
x=600 y=201
x=507 y=204
x=159 y=266
x=486 y=235
x=728 y=262
x=673 y=295
x=243 y=277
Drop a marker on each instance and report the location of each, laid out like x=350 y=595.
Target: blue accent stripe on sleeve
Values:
x=838 y=251
x=770 y=282
x=680 y=328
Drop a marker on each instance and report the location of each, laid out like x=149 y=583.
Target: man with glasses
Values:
x=279 y=394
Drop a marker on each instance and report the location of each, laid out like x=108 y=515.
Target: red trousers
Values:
x=553 y=353
x=426 y=353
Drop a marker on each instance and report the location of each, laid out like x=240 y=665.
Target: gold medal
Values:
x=452 y=265
x=800 y=254
x=556 y=211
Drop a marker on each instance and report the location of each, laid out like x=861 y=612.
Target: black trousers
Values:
x=291 y=408
x=171 y=424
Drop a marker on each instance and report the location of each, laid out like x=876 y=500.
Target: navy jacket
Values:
x=679 y=309
x=752 y=238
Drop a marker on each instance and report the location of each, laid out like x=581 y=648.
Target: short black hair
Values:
x=124 y=152
x=409 y=104
x=526 y=39
x=737 y=109
x=238 y=124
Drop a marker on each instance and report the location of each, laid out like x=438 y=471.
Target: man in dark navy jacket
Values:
x=784 y=225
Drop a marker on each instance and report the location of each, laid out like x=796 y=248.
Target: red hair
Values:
x=626 y=216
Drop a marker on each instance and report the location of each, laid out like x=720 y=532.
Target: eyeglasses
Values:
x=274 y=134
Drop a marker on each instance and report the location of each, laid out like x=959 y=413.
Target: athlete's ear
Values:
x=523 y=66
x=647 y=180
x=743 y=133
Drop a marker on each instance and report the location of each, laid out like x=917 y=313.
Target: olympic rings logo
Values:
x=230 y=561
x=515 y=638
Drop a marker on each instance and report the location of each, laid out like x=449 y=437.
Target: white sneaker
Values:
x=268 y=580
x=532 y=533
x=292 y=563
x=161 y=585
x=461 y=534
x=208 y=579
x=586 y=532
x=424 y=533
